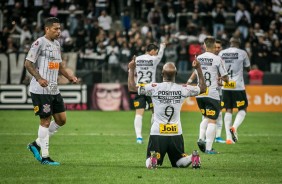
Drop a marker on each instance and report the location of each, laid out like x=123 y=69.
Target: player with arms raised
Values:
x=146 y=66
x=166 y=130
x=209 y=102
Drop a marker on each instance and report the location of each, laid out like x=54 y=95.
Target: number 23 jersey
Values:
x=167 y=98
x=146 y=66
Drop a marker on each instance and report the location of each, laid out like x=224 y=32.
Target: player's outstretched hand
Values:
x=196 y=64
x=132 y=64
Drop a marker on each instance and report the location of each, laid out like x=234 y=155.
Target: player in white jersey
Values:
x=166 y=131
x=233 y=92
x=146 y=66
x=219 y=122
x=43 y=62
x=209 y=102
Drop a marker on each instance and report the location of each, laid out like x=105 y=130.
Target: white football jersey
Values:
x=235 y=60
x=212 y=66
x=167 y=98
x=46 y=55
x=146 y=66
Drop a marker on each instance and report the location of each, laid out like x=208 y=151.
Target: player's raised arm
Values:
x=161 y=51
x=202 y=84
x=131 y=82
x=192 y=77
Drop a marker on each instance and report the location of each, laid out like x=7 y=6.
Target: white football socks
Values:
x=219 y=125
x=203 y=128
x=51 y=131
x=53 y=128
x=239 y=119
x=44 y=141
x=210 y=135
x=138 y=125
x=228 y=123
x=184 y=161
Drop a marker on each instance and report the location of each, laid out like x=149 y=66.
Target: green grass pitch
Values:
x=100 y=147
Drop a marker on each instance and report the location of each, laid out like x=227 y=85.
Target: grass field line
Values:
x=124 y=134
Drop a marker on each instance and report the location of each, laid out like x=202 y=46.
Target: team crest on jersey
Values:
x=35 y=44
x=36 y=109
x=154 y=84
x=46 y=108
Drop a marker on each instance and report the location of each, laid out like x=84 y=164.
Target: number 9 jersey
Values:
x=167 y=99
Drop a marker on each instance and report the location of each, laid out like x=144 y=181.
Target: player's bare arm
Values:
x=71 y=78
x=202 y=84
x=131 y=82
x=191 y=78
x=31 y=69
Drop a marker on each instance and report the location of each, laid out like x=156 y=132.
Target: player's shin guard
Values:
x=219 y=125
x=138 y=126
x=210 y=135
x=53 y=128
x=203 y=128
x=239 y=119
x=184 y=161
x=44 y=140
x=228 y=123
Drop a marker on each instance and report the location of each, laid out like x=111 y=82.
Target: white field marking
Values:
x=124 y=135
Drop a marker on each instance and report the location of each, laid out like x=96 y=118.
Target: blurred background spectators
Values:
x=102 y=35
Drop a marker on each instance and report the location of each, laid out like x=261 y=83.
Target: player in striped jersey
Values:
x=44 y=62
x=209 y=102
x=146 y=66
x=233 y=92
x=166 y=130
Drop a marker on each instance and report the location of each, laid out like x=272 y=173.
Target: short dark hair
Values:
x=235 y=40
x=218 y=41
x=151 y=46
x=209 y=41
x=50 y=21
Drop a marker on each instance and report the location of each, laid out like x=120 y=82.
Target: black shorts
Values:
x=209 y=107
x=46 y=105
x=140 y=102
x=172 y=145
x=234 y=99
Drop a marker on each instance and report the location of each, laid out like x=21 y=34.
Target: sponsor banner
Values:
x=261 y=99
x=18 y=97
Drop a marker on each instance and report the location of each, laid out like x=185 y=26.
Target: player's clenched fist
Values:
x=196 y=64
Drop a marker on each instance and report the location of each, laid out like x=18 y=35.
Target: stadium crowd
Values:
x=120 y=29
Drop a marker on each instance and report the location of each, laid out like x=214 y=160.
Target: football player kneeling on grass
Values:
x=166 y=131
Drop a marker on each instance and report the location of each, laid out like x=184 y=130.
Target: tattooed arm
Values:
x=31 y=69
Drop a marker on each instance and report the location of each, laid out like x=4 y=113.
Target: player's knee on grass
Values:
x=184 y=161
